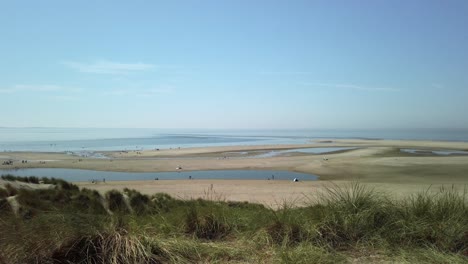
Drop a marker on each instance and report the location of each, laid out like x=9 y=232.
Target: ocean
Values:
x=108 y=139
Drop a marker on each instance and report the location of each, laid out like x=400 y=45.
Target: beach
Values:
x=377 y=163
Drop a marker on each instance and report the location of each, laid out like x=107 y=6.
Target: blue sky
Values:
x=234 y=64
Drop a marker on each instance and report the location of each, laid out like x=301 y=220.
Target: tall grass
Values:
x=3 y=193
x=10 y=190
x=30 y=179
x=354 y=214
x=207 y=226
x=104 y=247
x=438 y=219
x=116 y=202
x=68 y=225
x=5 y=207
x=289 y=226
x=59 y=183
x=140 y=203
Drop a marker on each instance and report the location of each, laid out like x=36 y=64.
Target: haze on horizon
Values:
x=234 y=64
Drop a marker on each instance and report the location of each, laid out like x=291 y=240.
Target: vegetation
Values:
x=64 y=224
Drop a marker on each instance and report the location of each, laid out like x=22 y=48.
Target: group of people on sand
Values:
x=97 y=181
x=8 y=162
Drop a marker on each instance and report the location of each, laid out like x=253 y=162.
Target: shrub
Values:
x=30 y=179
x=163 y=202
x=11 y=191
x=31 y=199
x=88 y=201
x=288 y=234
x=3 y=193
x=140 y=203
x=209 y=226
x=437 y=219
x=5 y=207
x=9 y=177
x=116 y=202
x=64 y=185
x=107 y=247
x=245 y=205
x=353 y=214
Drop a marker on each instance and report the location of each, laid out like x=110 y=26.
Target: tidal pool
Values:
x=440 y=152
x=76 y=175
x=275 y=153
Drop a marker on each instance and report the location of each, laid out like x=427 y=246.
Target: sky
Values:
x=234 y=64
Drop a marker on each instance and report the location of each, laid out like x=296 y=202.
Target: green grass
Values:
x=117 y=202
x=3 y=193
x=350 y=223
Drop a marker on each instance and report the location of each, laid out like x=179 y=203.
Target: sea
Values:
x=117 y=139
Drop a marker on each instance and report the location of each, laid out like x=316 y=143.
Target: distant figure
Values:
x=272 y=177
x=295 y=180
x=190 y=177
x=104 y=180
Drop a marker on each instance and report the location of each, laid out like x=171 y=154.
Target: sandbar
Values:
x=376 y=163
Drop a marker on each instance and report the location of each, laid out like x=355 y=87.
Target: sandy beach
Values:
x=377 y=163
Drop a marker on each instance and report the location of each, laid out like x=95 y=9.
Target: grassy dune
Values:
x=65 y=224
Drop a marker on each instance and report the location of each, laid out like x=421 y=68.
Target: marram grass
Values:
x=351 y=223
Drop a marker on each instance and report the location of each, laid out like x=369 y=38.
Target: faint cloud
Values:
x=353 y=87
x=6 y=91
x=65 y=98
x=31 y=88
x=108 y=67
x=156 y=91
x=141 y=92
x=284 y=72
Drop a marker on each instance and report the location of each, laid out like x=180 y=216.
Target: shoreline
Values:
x=365 y=152
x=375 y=163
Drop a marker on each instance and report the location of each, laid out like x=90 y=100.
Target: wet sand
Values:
x=377 y=163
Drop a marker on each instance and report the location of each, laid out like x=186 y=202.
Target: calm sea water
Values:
x=101 y=139
x=89 y=175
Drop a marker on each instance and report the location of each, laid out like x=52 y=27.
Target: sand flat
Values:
x=374 y=162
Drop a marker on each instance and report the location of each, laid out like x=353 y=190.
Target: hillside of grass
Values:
x=65 y=224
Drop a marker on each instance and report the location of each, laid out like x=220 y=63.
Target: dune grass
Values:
x=353 y=223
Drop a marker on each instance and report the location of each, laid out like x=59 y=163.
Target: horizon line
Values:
x=263 y=129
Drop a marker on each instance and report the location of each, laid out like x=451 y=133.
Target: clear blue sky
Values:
x=234 y=64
